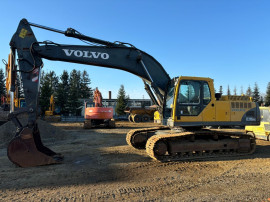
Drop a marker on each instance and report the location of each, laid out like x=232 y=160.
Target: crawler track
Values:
x=137 y=138
x=199 y=145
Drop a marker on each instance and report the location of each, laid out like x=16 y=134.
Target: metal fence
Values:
x=72 y=118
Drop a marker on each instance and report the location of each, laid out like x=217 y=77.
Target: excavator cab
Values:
x=192 y=102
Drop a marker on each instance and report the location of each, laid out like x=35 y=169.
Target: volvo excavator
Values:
x=185 y=104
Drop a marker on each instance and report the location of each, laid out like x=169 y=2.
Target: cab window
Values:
x=189 y=92
x=189 y=98
x=193 y=97
x=206 y=94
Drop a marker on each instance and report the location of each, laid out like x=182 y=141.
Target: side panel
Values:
x=236 y=115
x=209 y=112
x=239 y=109
x=223 y=111
x=189 y=119
x=259 y=130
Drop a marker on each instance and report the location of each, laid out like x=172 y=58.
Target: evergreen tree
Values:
x=45 y=92
x=242 y=91
x=74 y=92
x=267 y=96
x=261 y=101
x=122 y=101
x=86 y=90
x=2 y=83
x=235 y=90
x=221 y=90
x=249 y=91
x=53 y=79
x=256 y=94
x=62 y=93
x=228 y=90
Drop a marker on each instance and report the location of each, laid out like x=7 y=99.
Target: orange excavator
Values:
x=185 y=104
x=98 y=115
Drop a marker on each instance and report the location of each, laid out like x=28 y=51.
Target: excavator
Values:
x=50 y=114
x=18 y=102
x=97 y=115
x=185 y=104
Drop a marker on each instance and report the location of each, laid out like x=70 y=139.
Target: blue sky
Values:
x=227 y=40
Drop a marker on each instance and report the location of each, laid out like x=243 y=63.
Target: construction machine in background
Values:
x=50 y=114
x=4 y=111
x=263 y=130
x=157 y=117
x=98 y=115
x=6 y=104
x=50 y=111
x=140 y=114
x=11 y=76
x=185 y=104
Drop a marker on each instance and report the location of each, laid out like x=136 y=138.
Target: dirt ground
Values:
x=100 y=166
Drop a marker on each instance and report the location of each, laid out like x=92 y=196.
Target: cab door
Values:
x=189 y=102
x=209 y=108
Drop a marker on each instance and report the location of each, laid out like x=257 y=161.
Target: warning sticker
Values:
x=35 y=75
x=23 y=33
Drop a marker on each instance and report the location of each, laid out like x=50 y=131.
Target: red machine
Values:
x=98 y=115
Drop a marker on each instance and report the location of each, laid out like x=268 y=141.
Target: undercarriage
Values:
x=164 y=144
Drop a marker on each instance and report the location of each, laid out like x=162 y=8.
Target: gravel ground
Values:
x=100 y=166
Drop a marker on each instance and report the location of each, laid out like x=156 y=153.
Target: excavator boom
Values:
x=29 y=51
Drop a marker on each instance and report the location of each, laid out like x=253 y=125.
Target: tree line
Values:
x=254 y=93
x=67 y=90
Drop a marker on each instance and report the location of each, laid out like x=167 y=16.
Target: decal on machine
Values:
x=238 y=110
x=35 y=75
x=86 y=54
x=23 y=33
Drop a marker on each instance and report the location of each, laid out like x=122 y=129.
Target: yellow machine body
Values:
x=195 y=104
x=51 y=108
x=18 y=102
x=157 y=117
x=263 y=130
x=8 y=79
x=50 y=115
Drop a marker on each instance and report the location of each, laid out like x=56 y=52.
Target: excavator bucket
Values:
x=27 y=150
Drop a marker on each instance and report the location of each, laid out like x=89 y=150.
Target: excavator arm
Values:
x=116 y=55
x=29 y=53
